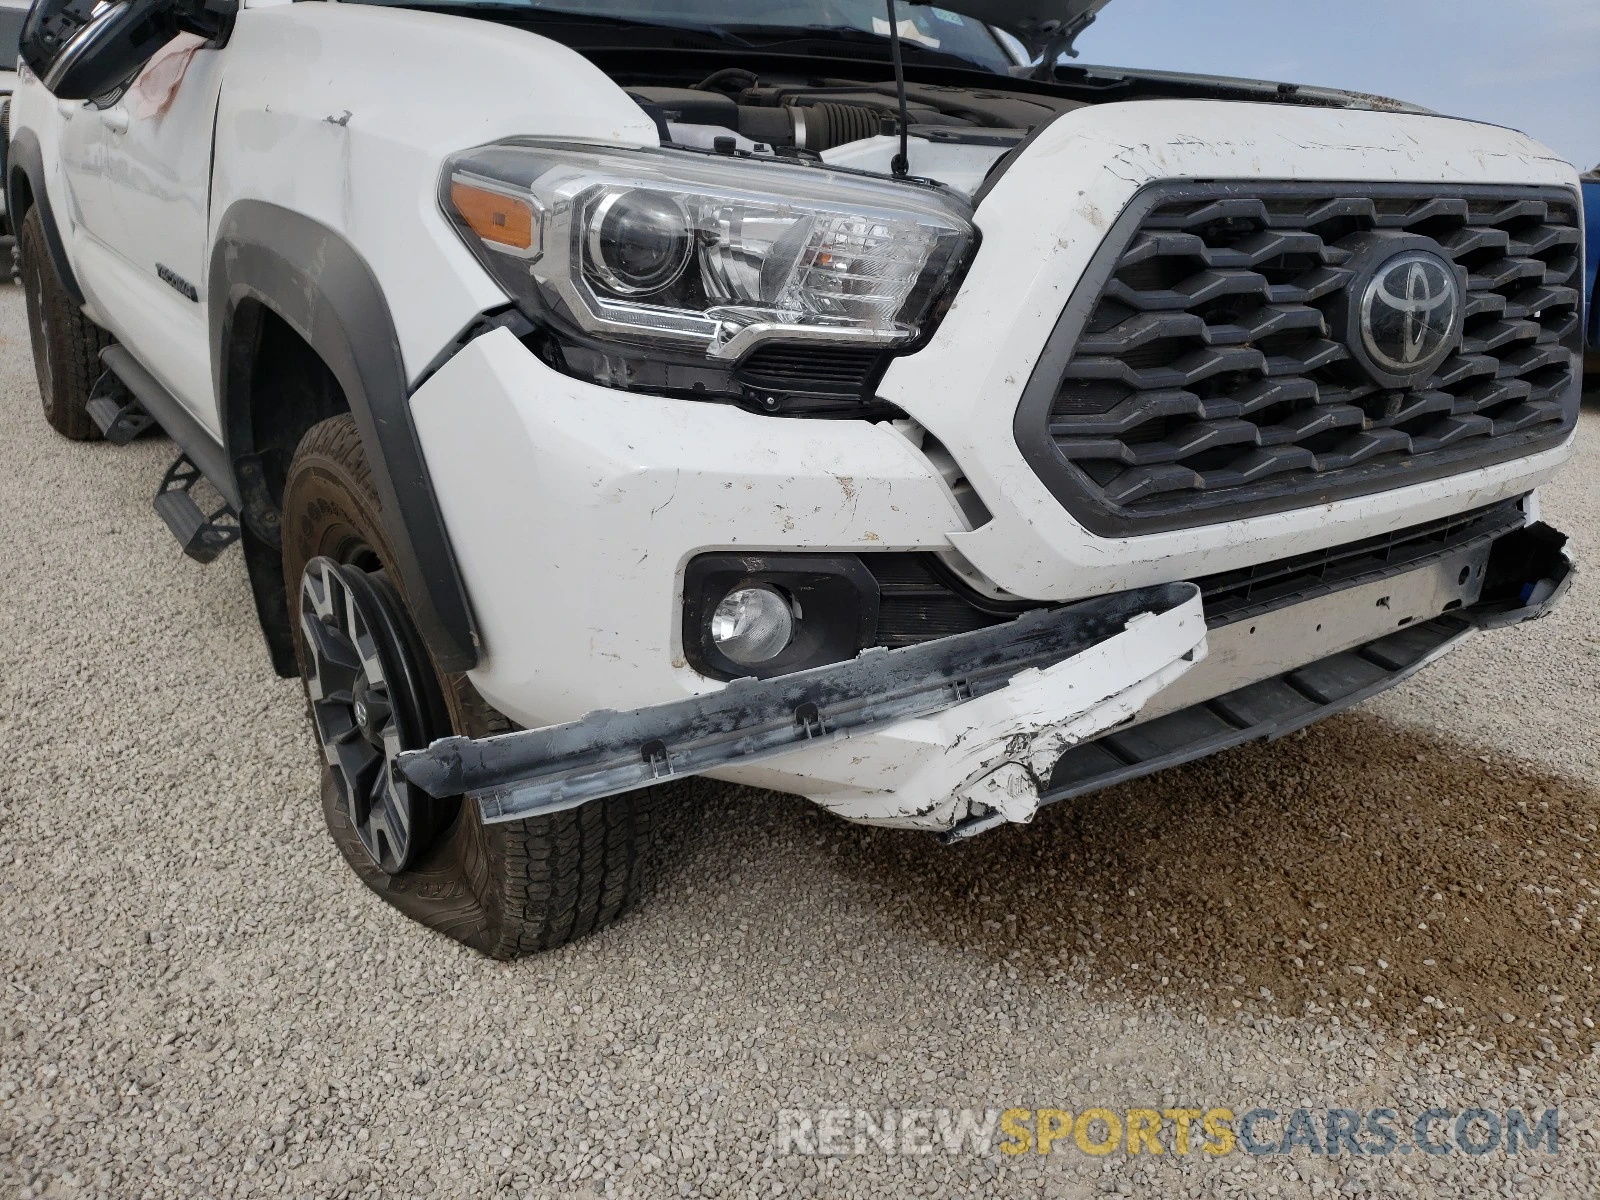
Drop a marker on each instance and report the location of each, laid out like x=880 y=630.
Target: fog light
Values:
x=753 y=625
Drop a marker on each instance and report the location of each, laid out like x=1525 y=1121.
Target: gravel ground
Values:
x=1388 y=910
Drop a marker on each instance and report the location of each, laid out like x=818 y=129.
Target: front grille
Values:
x=920 y=600
x=1200 y=373
x=916 y=602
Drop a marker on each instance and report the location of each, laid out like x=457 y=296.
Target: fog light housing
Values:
x=763 y=615
x=753 y=625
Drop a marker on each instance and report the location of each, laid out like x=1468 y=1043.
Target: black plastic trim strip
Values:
x=519 y=775
x=320 y=286
x=26 y=159
x=1490 y=525
x=504 y=316
x=1478 y=526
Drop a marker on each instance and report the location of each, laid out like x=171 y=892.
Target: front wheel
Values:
x=66 y=344
x=504 y=889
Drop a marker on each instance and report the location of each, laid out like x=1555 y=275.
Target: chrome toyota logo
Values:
x=1411 y=313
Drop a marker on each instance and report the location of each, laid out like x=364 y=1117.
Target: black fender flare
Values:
x=27 y=160
x=316 y=282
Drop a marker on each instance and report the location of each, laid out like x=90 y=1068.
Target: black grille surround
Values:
x=1196 y=375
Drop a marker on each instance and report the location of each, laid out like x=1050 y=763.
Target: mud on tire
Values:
x=504 y=889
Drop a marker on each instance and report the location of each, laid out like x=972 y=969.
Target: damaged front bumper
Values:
x=973 y=722
x=970 y=732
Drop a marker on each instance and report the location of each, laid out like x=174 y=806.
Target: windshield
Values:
x=769 y=24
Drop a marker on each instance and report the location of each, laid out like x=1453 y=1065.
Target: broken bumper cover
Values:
x=979 y=720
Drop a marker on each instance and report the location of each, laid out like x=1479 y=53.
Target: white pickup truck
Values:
x=838 y=397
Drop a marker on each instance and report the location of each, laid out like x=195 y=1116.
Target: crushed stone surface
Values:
x=202 y=1001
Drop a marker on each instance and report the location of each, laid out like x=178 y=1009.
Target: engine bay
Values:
x=955 y=135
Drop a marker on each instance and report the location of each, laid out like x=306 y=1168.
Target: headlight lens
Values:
x=639 y=242
x=703 y=252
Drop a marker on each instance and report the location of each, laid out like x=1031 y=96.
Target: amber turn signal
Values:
x=494 y=216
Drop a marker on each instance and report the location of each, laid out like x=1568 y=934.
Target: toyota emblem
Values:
x=1411 y=314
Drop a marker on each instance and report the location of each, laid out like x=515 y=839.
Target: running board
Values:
x=119 y=417
x=202 y=450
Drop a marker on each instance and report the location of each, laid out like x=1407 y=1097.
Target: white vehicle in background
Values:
x=819 y=394
x=12 y=14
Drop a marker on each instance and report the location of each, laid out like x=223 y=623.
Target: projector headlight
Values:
x=706 y=253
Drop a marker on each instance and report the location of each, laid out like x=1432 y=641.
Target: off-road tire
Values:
x=505 y=889
x=66 y=344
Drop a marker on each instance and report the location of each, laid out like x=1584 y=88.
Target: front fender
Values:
x=313 y=279
x=345 y=114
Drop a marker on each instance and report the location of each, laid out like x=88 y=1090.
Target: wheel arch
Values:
x=273 y=268
x=25 y=188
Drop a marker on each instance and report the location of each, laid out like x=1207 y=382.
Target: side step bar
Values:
x=519 y=775
x=126 y=401
x=203 y=450
x=119 y=417
x=202 y=537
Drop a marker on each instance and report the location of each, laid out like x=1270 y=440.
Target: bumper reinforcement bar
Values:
x=518 y=775
x=1275 y=708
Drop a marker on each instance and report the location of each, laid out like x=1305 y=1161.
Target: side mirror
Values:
x=85 y=48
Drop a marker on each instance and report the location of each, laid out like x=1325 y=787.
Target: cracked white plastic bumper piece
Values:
x=996 y=753
x=963 y=727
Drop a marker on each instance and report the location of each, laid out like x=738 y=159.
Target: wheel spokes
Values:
x=334 y=663
x=360 y=763
x=365 y=706
x=363 y=643
x=390 y=823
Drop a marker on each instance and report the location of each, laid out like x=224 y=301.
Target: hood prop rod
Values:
x=1064 y=42
x=900 y=165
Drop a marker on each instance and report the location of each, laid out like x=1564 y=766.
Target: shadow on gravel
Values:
x=1359 y=868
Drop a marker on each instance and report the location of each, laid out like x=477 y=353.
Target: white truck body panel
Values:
x=573 y=509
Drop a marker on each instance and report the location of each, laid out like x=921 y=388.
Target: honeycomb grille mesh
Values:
x=1209 y=378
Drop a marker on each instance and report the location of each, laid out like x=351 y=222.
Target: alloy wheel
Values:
x=369 y=701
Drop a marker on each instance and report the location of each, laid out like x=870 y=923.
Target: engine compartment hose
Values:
x=828 y=124
x=729 y=79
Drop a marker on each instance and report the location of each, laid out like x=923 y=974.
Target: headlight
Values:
x=707 y=254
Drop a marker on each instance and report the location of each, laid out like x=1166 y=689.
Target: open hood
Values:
x=1036 y=23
